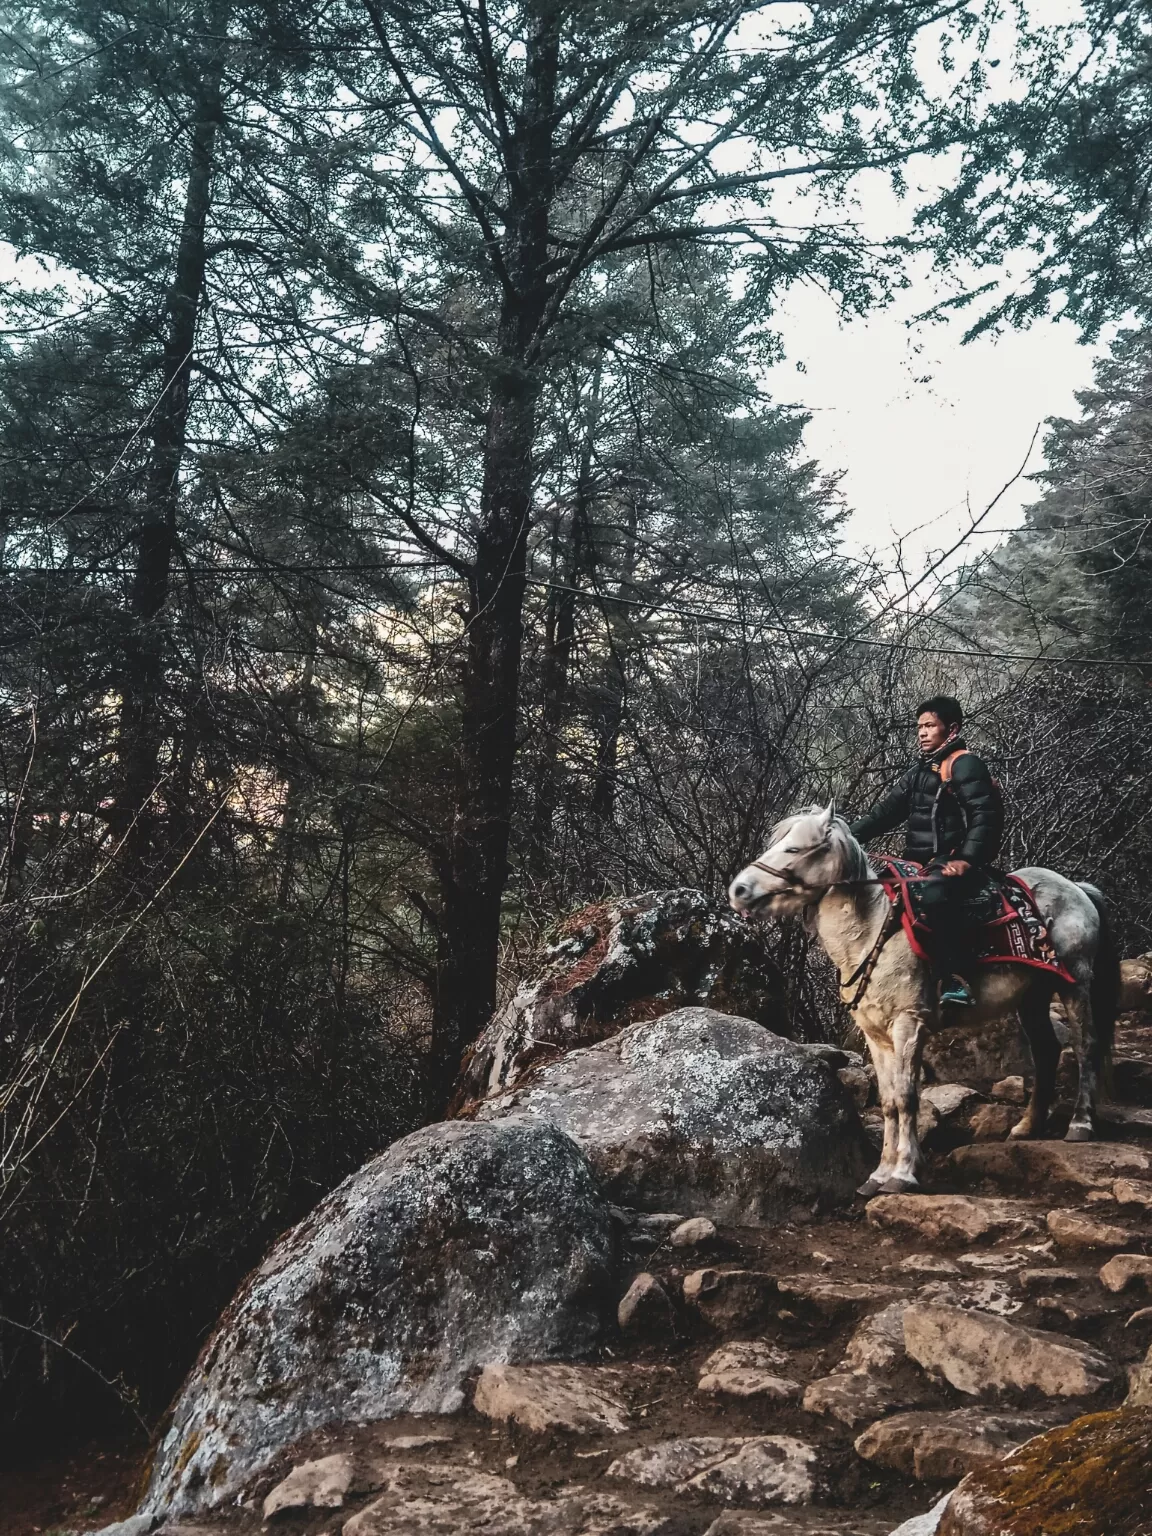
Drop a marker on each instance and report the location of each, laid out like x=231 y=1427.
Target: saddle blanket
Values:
x=1000 y=917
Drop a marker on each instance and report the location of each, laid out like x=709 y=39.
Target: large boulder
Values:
x=460 y=1246
x=615 y=962
x=702 y=1113
x=1092 y=1477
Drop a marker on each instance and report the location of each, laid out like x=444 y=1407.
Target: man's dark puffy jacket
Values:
x=963 y=819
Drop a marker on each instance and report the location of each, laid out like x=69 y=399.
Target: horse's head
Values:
x=806 y=853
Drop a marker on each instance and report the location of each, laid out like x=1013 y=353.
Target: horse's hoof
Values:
x=1023 y=1131
x=869 y=1188
x=1080 y=1133
x=900 y=1187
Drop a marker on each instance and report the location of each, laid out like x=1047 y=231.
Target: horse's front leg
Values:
x=880 y=1049
x=1090 y=1057
x=909 y=1031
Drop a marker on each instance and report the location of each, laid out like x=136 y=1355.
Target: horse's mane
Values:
x=853 y=859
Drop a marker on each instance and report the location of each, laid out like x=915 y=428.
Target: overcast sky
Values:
x=919 y=424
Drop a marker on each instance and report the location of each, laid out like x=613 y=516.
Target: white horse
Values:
x=814 y=865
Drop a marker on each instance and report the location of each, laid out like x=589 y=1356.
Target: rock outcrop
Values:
x=1092 y=1477
x=617 y=962
x=703 y=1113
x=459 y=1246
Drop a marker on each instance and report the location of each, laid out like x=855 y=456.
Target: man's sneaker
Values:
x=957 y=993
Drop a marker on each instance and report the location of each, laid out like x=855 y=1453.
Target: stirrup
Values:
x=957 y=993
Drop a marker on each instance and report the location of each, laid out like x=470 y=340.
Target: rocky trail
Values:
x=826 y=1367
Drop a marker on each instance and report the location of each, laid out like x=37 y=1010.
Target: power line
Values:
x=733 y=621
x=700 y=616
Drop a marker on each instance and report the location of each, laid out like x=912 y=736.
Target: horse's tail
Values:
x=1104 y=993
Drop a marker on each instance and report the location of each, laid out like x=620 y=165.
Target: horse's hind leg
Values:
x=1090 y=1057
x=1037 y=1026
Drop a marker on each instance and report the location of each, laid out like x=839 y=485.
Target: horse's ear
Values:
x=830 y=813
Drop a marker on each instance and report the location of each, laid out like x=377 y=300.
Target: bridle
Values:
x=862 y=975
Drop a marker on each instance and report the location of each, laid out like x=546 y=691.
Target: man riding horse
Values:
x=955 y=821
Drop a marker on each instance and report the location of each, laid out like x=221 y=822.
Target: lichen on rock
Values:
x=1092 y=1477
x=616 y=962
x=461 y=1245
x=704 y=1113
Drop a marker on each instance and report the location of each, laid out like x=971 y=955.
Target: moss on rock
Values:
x=1092 y=1477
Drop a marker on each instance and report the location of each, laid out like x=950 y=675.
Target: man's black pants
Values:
x=942 y=900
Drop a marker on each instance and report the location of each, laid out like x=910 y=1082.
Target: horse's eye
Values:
x=792 y=850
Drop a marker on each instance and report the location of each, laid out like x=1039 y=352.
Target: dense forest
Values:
x=399 y=548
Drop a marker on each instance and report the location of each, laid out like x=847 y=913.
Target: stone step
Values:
x=1042 y=1167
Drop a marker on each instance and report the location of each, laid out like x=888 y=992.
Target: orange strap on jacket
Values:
x=946 y=765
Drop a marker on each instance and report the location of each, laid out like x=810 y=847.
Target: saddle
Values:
x=1002 y=923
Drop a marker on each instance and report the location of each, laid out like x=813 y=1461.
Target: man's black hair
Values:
x=946 y=709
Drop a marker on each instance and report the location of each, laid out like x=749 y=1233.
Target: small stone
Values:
x=1010 y=1090
x=833 y=1298
x=851 y=1398
x=926 y=1524
x=1133 y=1192
x=948 y=1099
x=580 y=1399
x=980 y=1354
x=693 y=1233
x=646 y=1230
x=990 y=1296
x=1140 y=1384
x=992 y=1122
x=318 y=1484
x=1126 y=1269
x=1072 y=1230
x=730 y=1298
x=645 y=1307
x=934 y=1446
x=952 y=1218
x=1000 y=1263
x=738 y=1522
x=1061 y=1308
x=416 y=1442
x=749 y=1369
x=135 y=1525
x=1043 y=1279
x=929 y=1264
x=770 y=1469
x=752 y=1470
x=858 y=1083
x=878 y=1343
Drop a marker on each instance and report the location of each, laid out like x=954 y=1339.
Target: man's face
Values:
x=931 y=732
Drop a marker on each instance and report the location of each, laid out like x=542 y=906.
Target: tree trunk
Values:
x=474 y=872
x=142 y=730
x=558 y=643
x=615 y=683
